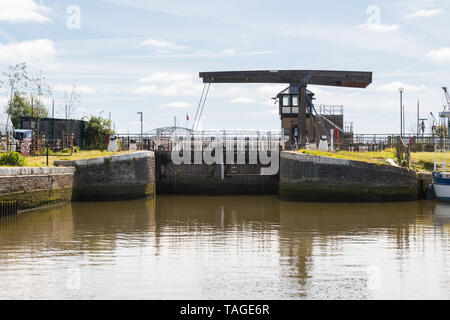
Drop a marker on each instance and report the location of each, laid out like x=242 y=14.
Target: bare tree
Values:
x=72 y=100
x=40 y=89
x=16 y=80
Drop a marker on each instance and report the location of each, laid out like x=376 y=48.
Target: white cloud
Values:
x=270 y=90
x=242 y=100
x=378 y=27
x=423 y=13
x=271 y=112
x=178 y=104
x=395 y=85
x=39 y=50
x=166 y=77
x=78 y=88
x=170 y=84
x=147 y=90
x=226 y=53
x=3 y=101
x=23 y=11
x=162 y=44
x=394 y=42
x=440 y=55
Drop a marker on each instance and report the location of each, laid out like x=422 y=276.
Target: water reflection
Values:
x=227 y=247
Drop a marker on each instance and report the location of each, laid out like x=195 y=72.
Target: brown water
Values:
x=190 y=247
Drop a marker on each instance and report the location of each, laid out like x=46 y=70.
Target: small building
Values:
x=56 y=129
x=320 y=119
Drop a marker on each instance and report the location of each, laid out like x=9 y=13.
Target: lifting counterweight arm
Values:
x=355 y=79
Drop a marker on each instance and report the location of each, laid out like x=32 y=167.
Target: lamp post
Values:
x=142 y=121
x=401 y=111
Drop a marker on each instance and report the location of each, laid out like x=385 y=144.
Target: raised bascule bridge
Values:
x=301 y=122
x=250 y=160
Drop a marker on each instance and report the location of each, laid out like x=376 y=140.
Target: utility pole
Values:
x=418 y=123
x=401 y=111
x=404 y=124
x=142 y=129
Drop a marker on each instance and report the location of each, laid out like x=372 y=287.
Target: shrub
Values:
x=96 y=132
x=12 y=158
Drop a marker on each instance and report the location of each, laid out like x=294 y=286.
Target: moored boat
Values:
x=441 y=175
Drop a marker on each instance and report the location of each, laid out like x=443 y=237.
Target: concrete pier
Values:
x=119 y=177
x=313 y=178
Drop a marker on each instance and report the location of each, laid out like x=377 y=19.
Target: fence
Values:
x=167 y=138
x=173 y=140
x=329 y=109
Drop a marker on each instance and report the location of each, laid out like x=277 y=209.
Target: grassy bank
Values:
x=41 y=161
x=423 y=161
x=372 y=157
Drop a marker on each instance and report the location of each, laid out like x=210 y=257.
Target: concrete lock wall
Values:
x=119 y=177
x=313 y=178
x=35 y=186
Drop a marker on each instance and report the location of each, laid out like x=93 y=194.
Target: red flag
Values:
x=187 y=117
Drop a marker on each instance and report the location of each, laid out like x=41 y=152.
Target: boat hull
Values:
x=442 y=191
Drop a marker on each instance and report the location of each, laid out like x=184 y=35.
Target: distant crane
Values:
x=447 y=108
x=447 y=97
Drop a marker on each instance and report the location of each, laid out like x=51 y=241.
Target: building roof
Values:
x=46 y=119
x=294 y=89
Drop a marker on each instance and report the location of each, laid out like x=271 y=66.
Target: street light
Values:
x=401 y=111
x=142 y=121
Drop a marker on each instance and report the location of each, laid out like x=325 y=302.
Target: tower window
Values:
x=286 y=101
x=295 y=101
x=286 y=110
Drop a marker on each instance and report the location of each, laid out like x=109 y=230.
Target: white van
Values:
x=7 y=141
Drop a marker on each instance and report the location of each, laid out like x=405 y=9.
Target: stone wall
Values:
x=35 y=186
x=313 y=178
x=119 y=177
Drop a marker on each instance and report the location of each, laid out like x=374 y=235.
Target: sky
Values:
x=128 y=56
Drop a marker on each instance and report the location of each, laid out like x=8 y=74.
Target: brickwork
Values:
x=34 y=187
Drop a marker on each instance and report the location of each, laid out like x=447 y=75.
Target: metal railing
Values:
x=329 y=109
x=348 y=127
x=173 y=140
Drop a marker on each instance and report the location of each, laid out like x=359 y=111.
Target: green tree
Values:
x=20 y=87
x=20 y=106
x=441 y=131
x=96 y=131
